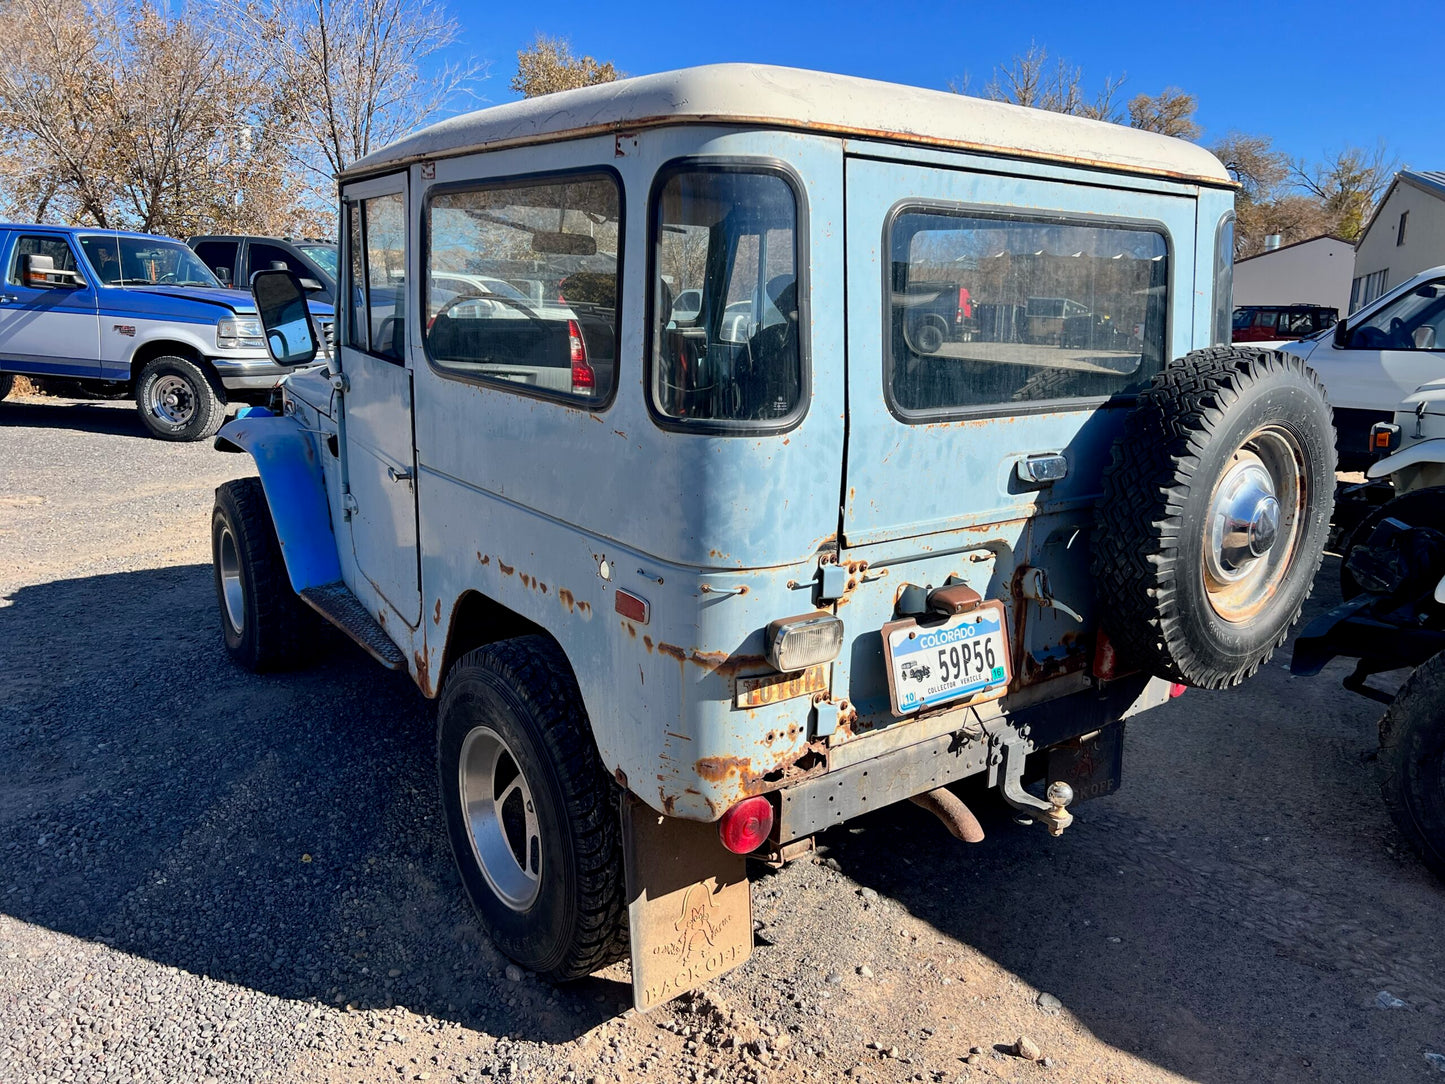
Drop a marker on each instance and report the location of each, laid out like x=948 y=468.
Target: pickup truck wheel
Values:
x=1417 y=508
x=928 y=334
x=7 y=381
x=531 y=816
x=265 y=625
x=1412 y=762
x=1214 y=514
x=178 y=400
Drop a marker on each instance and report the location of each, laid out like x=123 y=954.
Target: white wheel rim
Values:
x=501 y=818
x=233 y=598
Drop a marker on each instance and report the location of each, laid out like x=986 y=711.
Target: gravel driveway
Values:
x=211 y=875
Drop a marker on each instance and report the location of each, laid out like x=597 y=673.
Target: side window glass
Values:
x=991 y=310
x=268 y=257
x=726 y=339
x=1414 y=321
x=57 y=248
x=356 y=274
x=383 y=224
x=523 y=283
x=220 y=257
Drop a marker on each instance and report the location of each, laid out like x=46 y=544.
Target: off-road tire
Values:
x=524 y=691
x=7 y=381
x=1412 y=762
x=276 y=629
x=1148 y=558
x=205 y=405
x=1418 y=508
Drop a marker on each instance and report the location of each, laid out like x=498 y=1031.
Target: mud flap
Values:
x=1092 y=764
x=689 y=909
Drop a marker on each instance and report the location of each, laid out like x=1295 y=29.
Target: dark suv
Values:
x=1284 y=323
x=234 y=258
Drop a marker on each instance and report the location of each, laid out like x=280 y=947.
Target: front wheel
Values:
x=1417 y=508
x=1412 y=762
x=531 y=816
x=178 y=401
x=264 y=624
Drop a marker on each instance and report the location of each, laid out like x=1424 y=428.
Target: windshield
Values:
x=325 y=255
x=145 y=261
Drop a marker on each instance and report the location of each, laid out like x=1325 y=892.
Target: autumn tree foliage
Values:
x=547 y=66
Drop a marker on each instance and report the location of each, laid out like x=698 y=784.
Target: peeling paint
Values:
x=564 y=596
x=507 y=570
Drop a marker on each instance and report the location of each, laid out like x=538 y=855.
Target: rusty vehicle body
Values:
x=665 y=527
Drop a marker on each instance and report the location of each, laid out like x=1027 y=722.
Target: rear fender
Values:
x=290 y=467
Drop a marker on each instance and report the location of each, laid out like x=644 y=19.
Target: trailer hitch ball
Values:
x=1059 y=794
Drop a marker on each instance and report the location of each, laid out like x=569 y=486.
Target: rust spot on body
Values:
x=718 y=662
x=564 y=596
x=675 y=652
x=647 y=641
x=507 y=569
x=437 y=613
x=423 y=675
x=483 y=558
x=669 y=801
x=621 y=777
x=717 y=769
x=584 y=607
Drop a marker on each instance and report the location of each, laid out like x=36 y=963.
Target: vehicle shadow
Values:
x=1229 y=914
x=278 y=832
x=115 y=417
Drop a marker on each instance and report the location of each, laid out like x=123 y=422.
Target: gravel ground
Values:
x=214 y=876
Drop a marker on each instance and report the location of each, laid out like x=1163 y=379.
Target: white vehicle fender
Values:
x=1440 y=591
x=1425 y=451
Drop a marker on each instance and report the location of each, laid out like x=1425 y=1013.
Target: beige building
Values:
x=1405 y=235
x=1313 y=272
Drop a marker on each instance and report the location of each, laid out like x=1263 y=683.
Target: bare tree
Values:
x=1347 y=184
x=1034 y=79
x=547 y=66
x=1170 y=112
x=351 y=72
x=118 y=114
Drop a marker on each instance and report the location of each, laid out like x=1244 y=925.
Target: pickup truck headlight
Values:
x=235 y=332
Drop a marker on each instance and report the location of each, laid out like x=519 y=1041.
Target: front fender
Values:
x=290 y=467
x=1423 y=451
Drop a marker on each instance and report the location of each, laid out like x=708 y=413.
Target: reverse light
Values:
x=235 y=332
x=584 y=379
x=745 y=827
x=795 y=643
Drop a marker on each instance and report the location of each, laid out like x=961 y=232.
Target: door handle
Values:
x=8 y=298
x=395 y=475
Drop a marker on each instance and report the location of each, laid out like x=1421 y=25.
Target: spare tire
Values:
x=1215 y=510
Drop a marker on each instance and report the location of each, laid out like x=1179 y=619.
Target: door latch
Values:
x=1035 y=586
x=403 y=475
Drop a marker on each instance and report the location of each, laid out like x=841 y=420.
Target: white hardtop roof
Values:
x=763 y=96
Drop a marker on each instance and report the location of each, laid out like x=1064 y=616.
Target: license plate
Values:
x=963 y=656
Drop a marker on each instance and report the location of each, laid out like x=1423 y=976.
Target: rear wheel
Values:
x=1214 y=515
x=531 y=816
x=178 y=400
x=1412 y=762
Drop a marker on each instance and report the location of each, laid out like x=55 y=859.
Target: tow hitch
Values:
x=1009 y=774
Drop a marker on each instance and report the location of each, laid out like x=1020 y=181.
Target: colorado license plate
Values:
x=963 y=656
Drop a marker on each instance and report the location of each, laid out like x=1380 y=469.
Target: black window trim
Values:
x=1041 y=217
x=530 y=180
x=763 y=165
x=352 y=204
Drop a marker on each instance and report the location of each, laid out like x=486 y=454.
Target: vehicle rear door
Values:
x=1079 y=293
x=53 y=329
x=380 y=445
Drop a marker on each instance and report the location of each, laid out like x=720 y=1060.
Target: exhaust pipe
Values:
x=956 y=817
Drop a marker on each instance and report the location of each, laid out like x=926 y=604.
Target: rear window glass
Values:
x=523 y=284
x=992 y=310
x=726 y=345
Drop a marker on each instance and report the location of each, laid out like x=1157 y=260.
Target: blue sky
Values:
x=1315 y=77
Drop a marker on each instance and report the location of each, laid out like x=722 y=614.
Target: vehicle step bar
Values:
x=336 y=603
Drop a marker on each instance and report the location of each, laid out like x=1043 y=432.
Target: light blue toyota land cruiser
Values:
x=134 y=313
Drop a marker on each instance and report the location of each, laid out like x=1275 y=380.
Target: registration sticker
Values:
x=965 y=655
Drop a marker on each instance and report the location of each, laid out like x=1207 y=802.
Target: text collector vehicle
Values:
x=131 y=313
x=778 y=562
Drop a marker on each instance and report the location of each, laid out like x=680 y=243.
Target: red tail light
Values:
x=1176 y=689
x=584 y=379
x=745 y=827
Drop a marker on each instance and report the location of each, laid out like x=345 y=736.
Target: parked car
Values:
x=659 y=639
x=136 y=314
x=236 y=257
x=1281 y=323
x=1376 y=357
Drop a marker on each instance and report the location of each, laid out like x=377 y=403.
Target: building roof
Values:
x=791 y=98
x=1295 y=244
x=1431 y=182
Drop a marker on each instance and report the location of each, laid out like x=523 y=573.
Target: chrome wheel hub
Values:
x=501 y=818
x=173 y=400
x=228 y=562
x=1255 y=518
